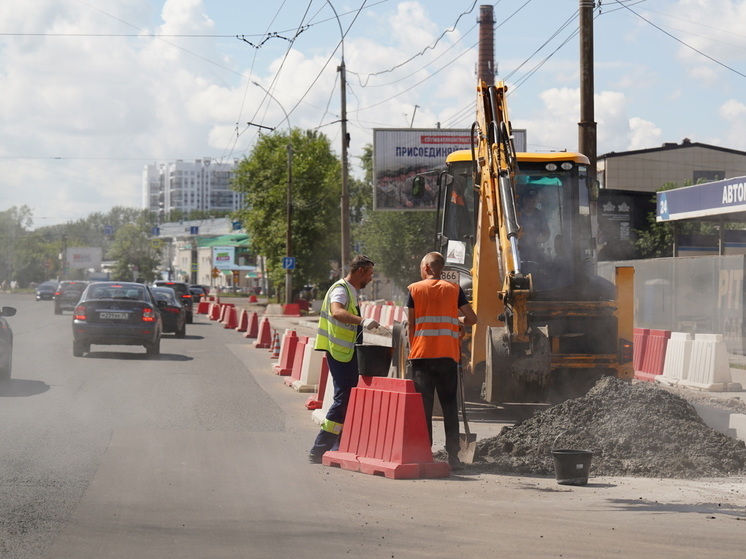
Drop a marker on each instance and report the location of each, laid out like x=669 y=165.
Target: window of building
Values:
x=707 y=176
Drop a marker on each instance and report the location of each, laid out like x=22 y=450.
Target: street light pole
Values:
x=345 y=197
x=289 y=210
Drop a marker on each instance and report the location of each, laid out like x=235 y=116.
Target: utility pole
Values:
x=587 y=124
x=289 y=237
x=345 y=198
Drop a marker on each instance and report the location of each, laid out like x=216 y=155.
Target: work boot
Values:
x=315 y=458
x=455 y=464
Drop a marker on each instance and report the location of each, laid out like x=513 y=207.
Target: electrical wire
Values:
x=684 y=43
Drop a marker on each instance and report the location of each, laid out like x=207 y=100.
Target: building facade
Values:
x=203 y=184
x=647 y=170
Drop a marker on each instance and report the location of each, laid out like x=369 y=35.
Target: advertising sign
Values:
x=223 y=257
x=702 y=200
x=401 y=153
x=84 y=257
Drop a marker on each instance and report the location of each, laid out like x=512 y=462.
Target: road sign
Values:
x=288 y=263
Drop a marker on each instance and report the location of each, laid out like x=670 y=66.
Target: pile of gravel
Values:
x=633 y=429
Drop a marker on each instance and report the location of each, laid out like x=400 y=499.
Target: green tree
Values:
x=315 y=222
x=135 y=256
x=395 y=240
x=656 y=241
x=22 y=252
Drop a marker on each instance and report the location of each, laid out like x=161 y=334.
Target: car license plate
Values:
x=113 y=315
x=450 y=275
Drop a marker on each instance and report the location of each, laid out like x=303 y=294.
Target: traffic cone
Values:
x=275 y=349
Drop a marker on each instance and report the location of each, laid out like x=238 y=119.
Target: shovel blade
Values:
x=467 y=447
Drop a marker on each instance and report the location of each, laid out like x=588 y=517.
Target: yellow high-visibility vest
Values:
x=334 y=336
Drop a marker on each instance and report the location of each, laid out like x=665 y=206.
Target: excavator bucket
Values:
x=516 y=372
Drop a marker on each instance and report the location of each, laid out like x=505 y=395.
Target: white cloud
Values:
x=733 y=112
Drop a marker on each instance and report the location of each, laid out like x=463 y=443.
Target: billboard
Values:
x=401 y=153
x=223 y=258
x=83 y=257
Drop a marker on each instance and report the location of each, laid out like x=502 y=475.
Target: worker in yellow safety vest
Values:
x=340 y=324
x=436 y=311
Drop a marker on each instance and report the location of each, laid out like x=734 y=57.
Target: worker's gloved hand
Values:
x=369 y=324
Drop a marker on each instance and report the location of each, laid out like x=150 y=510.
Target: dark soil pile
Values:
x=633 y=430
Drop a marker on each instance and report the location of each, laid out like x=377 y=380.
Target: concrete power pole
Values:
x=486 y=69
x=587 y=124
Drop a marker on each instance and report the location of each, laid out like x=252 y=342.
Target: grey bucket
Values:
x=572 y=466
x=373 y=360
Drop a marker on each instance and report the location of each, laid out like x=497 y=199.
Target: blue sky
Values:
x=93 y=90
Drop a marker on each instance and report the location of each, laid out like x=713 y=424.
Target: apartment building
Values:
x=203 y=184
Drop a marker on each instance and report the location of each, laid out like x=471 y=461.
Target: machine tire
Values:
x=514 y=374
x=399 y=358
x=181 y=332
x=7 y=368
x=153 y=349
x=79 y=349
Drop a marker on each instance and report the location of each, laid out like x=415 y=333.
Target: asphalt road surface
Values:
x=202 y=454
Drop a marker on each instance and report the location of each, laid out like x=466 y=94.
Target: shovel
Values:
x=467 y=441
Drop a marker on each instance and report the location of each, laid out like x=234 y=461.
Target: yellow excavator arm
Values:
x=497 y=166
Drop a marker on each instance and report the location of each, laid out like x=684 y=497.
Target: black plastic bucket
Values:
x=373 y=360
x=572 y=466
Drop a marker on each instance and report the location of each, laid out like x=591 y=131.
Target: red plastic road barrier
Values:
x=385 y=432
x=243 y=321
x=264 y=337
x=655 y=355
x=230 y=320
x=316 y=402
x=253 y=299
x=291 y=309
x=203 y=306
x=252 y=330
x=300 y=353
x=287 y=353
x=214 y=313
x=639 y=342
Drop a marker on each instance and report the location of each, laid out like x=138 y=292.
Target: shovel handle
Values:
x=463 y=398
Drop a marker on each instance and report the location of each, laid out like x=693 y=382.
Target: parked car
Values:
x=67 y=295
x=6 y=343
x=117 y=313
x=198 y=291
x=183 y=293
x=173 y=312
x=45 y=291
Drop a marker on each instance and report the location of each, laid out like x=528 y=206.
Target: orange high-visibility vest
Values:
x=436 y=325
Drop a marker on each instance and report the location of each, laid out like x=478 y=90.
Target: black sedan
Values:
x=45 y=290
x=173 y=312
x=6 y=343
x=117 y=313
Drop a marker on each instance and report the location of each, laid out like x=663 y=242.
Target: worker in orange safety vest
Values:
x=437 y=310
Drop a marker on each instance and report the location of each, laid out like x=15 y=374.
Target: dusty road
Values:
x=202 y=453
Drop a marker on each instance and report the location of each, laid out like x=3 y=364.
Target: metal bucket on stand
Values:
x=373 y=360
